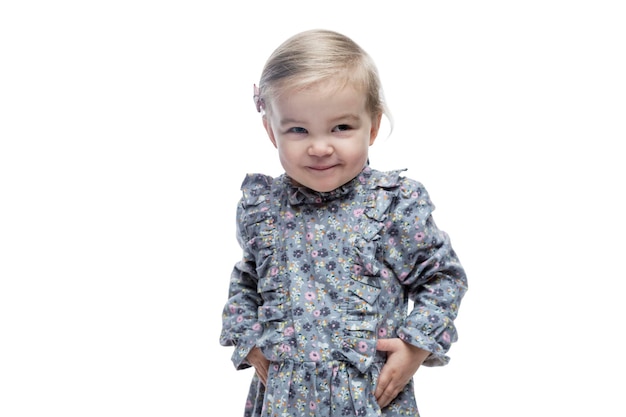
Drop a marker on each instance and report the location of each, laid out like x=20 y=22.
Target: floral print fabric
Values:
x=325 y=275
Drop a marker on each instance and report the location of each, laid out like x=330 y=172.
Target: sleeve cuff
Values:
x=437 y=355
x=239 y=355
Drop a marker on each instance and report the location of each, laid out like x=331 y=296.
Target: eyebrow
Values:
x=289 y=121
x=349 y=117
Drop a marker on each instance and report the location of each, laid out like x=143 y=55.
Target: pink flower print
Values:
x=358 y=212
x=248 y=404
x=362 y=347
x=265 y=208
x=318 y=200
x=384 y=273
x=309 y=295
x=419 y=236
x=403 y=276
x=309 y=236
x=312 y=405
x=289 y=215
x=256 y=326
x=232 y=308
x=357 y=269
x=392 y=241
x=362 y=179
x=446 y=337
x=382 y=332
x=239 y=319
x=274 y=271
x=314 y=356
x=285 y=348
x=415 y=194
x=289 y=331
x=402 y=336
x=317 y=313
x=314 y=253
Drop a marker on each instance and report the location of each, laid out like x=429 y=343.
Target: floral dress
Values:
x=326 y=274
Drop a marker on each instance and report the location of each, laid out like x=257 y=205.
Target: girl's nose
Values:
x=320 y=147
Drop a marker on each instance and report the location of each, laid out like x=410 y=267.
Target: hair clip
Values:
x=258 y=101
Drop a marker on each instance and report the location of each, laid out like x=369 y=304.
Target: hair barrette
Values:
x=258 y=101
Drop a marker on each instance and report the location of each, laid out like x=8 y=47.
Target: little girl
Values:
x=333 y=250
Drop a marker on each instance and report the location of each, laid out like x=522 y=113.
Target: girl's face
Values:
x=322 y=134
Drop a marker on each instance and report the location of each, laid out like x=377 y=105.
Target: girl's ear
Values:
x=375 y=127
x=269 y=130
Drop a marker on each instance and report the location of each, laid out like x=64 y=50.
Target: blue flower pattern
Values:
x=325 y=275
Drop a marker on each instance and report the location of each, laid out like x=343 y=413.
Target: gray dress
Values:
x=323 y=276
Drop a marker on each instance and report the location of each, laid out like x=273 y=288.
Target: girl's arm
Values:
x=240 y=326
x=431 y=272
x=435 y=281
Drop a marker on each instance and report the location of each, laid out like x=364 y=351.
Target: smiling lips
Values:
x=322 y=168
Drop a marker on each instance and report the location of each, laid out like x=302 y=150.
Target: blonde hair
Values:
x=320 y=55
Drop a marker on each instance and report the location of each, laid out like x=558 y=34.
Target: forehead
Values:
x=335 y=81
x=328 y=99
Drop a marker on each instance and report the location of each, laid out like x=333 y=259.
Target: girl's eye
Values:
x=341 y=128
x=299 y=130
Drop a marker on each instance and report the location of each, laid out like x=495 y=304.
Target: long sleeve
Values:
x=429 y=268
x=240 y=326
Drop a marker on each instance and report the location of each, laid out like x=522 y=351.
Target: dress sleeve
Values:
x=240 y=324
x=428 y=267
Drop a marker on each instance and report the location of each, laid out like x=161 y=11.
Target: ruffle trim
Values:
x=273 y=285
x=361 y=333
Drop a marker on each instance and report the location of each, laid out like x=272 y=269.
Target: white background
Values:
x=126 y=128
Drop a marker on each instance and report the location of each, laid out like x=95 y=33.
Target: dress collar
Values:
x=299 y=194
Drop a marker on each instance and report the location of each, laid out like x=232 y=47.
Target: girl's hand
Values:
x=260 y=363
x=403 y=360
